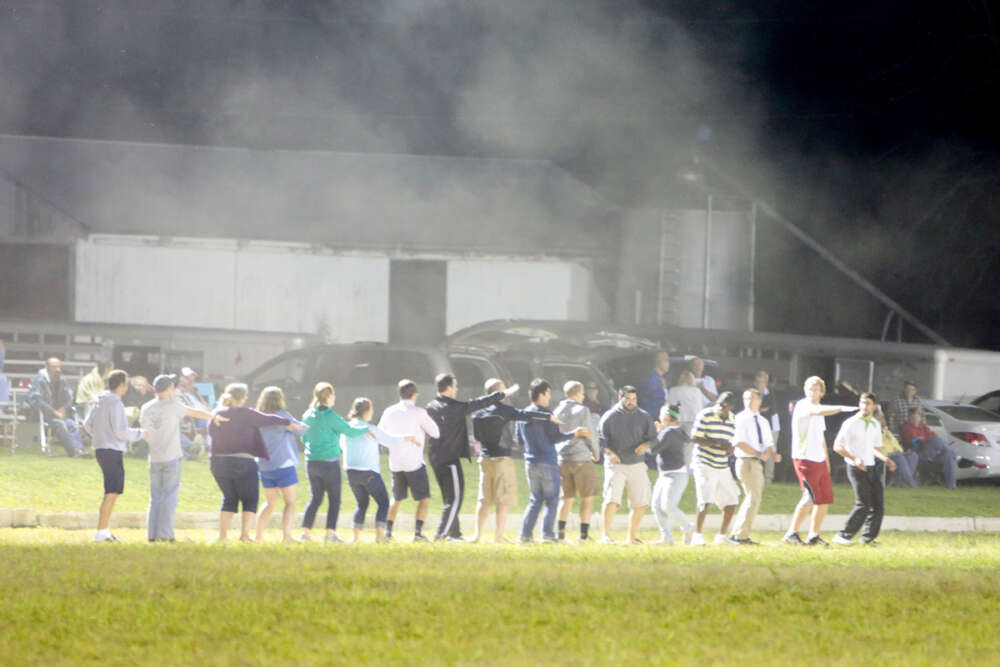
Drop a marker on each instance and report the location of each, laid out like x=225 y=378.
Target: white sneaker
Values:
x=697 y=540
x=106 y=538
x=837 y=539
x=725 y=540
x=663 y=542
x=606 y=540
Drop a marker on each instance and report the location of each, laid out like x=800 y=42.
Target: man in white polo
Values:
x=859 y=441
x=752 y=445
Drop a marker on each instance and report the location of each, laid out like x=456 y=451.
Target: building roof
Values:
x=348 y=200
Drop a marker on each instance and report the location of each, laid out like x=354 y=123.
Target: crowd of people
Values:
x=687 y=431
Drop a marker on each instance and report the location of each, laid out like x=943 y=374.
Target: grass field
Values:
x=59 y=484
x=918 y=599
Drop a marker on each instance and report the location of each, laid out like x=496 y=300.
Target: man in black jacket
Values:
x=445 y=452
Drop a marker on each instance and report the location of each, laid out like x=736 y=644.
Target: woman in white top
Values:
x=689 y=400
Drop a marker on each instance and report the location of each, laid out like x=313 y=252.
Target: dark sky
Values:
x=869 y=124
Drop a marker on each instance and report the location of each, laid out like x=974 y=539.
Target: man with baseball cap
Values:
x=193 y=432
x=161 y=418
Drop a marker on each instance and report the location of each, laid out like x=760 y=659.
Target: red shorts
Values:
x=815 y=480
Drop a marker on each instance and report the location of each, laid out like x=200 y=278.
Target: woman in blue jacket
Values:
x=277 y=472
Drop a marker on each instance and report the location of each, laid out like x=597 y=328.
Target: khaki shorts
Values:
x=619 y=475
x=714 y=485
x=497 y=481
x=578 y=477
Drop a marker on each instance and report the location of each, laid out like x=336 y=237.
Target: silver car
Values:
x=971 y=432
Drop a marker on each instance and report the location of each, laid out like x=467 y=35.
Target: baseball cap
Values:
x=187 y=370
x=910 y=383
x=163 y=382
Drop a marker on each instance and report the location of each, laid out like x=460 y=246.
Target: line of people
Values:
x=253 y=448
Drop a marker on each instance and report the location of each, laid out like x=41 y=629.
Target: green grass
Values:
x=918 y=599
x=60 y=484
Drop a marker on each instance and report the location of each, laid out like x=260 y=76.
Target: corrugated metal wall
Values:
x=486 y=290
x=233 y=289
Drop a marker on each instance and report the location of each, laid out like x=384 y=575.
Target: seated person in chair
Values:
x=51 y=396
x=929 y=446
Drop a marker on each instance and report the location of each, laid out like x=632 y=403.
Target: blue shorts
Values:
x=279 y=479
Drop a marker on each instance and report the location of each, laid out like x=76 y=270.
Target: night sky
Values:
x=870 y=125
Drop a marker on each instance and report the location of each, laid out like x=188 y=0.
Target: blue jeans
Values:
x=365 y=484
x=67 y=433
x=906 y=467
x=544 y=483
x=164 y=485
x=937 y=452
x=666 y=494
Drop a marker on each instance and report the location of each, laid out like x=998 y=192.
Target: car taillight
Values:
x=972 y=438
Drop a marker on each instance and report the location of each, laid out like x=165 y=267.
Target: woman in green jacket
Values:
x=322 y=442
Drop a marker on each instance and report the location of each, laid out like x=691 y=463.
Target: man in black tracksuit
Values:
x=445 y=452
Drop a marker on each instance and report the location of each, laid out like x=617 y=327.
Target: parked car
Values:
x=372 y=370
x=990 y=401
x=972 y=433
x=521 y=350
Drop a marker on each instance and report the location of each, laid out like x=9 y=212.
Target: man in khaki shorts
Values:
x=497 y=480
x=576 y=459
x=626 y=433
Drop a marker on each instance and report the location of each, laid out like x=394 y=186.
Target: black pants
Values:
x=451 y=481
x=869 y=504
x=324 y=477
x=237 y=479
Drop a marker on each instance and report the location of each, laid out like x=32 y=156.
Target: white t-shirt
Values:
x=708 y=383
x=691 y=401
x=406 y=418
x=860 y=438
x=162 y=421
x=808 y=442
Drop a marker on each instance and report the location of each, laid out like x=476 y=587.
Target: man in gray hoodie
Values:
x=576 y=459
x=109 y=429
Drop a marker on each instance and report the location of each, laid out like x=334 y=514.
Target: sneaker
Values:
x=792 y=539
x=333 y=537
x=817 y=541
x=637 y=541
x=840 y=539
x=526 y=539
x=305 y=537
x=551 y=540
x=746 y=542
x=663 y=542
x=107 y=538
x=697 y=540
x=725 y=540
x=420 y=537
x=869 y=543
x=606 y=540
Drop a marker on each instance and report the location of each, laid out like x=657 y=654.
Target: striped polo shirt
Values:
x=708 y=424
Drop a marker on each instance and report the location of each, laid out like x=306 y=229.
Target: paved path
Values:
x=209 y=521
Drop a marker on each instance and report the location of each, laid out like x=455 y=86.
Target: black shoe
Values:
x=817 y=542
x=793 y=539
x=419 y=537
x=870 y=543
x=746 y=542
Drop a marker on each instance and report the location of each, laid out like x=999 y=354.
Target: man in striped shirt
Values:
x=712 y=434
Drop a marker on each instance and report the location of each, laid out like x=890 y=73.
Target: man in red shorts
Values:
x=811 y=461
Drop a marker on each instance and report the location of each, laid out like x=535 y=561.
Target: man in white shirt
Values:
x=812 y=465
x=752 y=445
x=768 y=411
x=409 y=474
x=705 y=383
x=860 y=443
